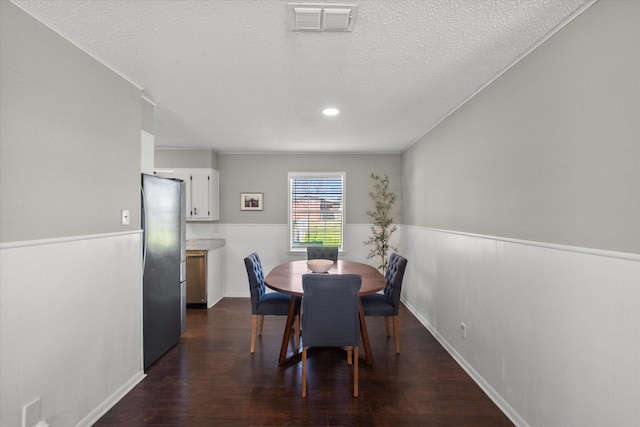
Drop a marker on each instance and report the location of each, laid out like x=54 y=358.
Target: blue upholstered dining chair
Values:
x=330 y=317
x=387 y=304
x=266 y=303
x=322 y=252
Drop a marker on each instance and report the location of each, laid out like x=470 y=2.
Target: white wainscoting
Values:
x=553 y=333
x=271 y=243
x=70 y=326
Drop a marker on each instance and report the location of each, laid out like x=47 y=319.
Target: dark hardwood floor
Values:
x=210 y=379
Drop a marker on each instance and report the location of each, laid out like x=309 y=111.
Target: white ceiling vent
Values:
x=308 y=18
x=322 y=17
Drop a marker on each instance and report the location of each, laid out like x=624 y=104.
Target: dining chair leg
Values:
x=349 y=355
x=386 y=325
x=254 y=331
x=304 y=372
x=396 y=332
x=368 y=358
x=260 y=324
x=297 y=332
x=355 y=371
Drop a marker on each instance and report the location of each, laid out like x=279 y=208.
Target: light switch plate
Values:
x=125 y=217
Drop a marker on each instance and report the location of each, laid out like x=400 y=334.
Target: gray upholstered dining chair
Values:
x=266 y=303
x=387 y=304
x=330 y=317
x=322 y=252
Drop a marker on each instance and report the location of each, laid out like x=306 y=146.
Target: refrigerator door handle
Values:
x=144 y=233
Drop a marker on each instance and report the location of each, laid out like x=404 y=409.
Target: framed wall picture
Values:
x=251 y=201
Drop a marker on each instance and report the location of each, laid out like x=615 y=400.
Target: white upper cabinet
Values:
x=201 y=194
x=202 y=191
x=147 y=144
x=215 y=195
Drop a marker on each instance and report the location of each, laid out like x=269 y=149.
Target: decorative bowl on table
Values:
x=319 y=265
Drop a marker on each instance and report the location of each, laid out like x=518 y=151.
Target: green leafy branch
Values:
x=382 y=227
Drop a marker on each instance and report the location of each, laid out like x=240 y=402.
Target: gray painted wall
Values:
x=70 y=323
x=69 y=140
x=267 y=173
x=548 y=152
x=185 y=158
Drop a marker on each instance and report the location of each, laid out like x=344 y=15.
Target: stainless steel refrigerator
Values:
x=164 y=264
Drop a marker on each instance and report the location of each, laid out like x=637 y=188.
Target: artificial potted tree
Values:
x=383 y=226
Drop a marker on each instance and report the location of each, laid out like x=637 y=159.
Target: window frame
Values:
x=315 y=175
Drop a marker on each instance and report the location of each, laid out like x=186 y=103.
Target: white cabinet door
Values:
x=201 y=194
x=202 y=190
x=186 y=177
x=183 y=174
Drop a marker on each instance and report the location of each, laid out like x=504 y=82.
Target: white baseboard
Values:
x=109 y=403
x=212 y=303
x=237 y=294
x=489 y=391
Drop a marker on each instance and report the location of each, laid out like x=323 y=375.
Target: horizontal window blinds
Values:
x=316 y=210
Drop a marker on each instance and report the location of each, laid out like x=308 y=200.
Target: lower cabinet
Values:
x=215 y=290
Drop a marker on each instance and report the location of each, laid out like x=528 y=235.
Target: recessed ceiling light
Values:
x=330 y=111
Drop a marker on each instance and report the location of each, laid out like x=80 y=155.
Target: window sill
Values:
x=304 y=253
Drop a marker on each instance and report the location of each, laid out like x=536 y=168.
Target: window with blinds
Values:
x=316 y=209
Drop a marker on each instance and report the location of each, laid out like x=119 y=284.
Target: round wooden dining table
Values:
x=287 y=278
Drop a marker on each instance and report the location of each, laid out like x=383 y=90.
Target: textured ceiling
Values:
x=231 y=76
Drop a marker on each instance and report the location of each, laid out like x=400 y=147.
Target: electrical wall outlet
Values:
x=31 y=413
x=463 y=330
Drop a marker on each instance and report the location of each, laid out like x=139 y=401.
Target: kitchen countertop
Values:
x=204 y=244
